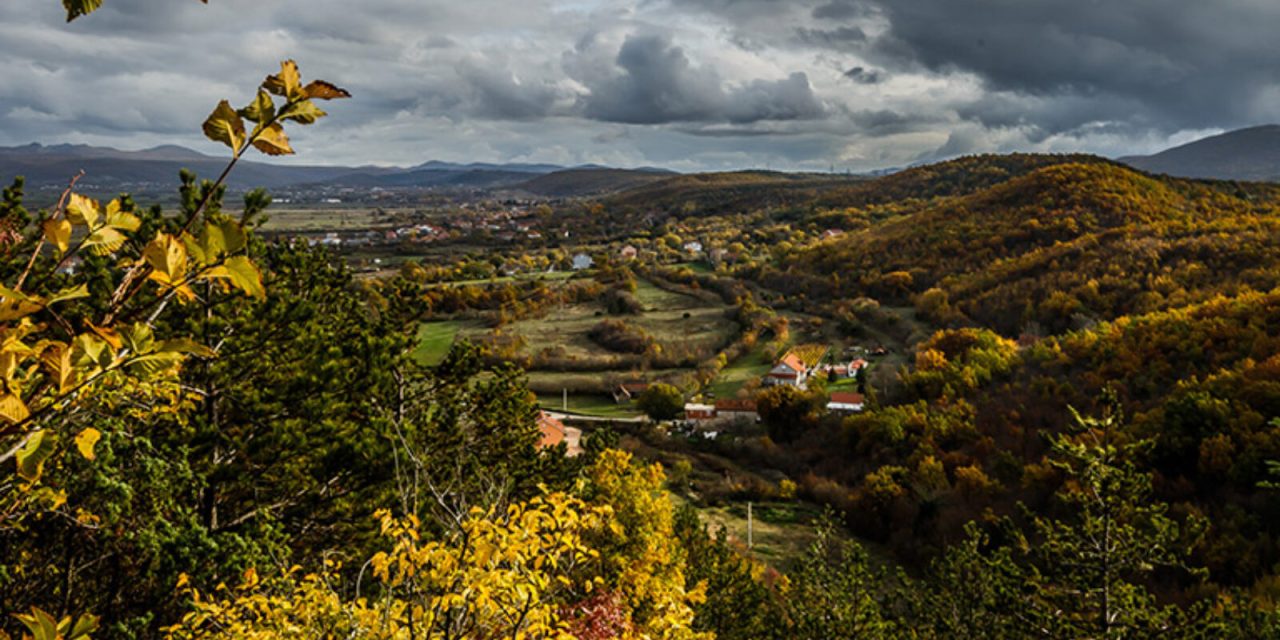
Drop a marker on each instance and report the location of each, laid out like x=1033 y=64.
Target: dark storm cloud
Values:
x=657 y=83
x=690 y=83
x=1181 y=64
x=862 y=75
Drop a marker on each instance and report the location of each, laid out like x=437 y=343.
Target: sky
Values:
x=689 y=85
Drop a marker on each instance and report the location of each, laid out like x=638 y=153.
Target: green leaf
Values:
x=140 y=338
x=262 y=109
x=153 y=363
x=85 y=625
x=242 y=273
x=74 y=293
x=34 y=453
x=186 y=346
x=226 y=126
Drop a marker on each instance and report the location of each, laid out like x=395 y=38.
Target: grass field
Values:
x=590 y=405
x=706 y=326
x=435 y=339
x=781 y=532
x=752 y=366
x=328 y=219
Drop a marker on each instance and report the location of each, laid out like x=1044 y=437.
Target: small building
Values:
x=553 y=432
x=582 y=261
x=796 y=365
x=627 y=391
x=628 y=253
x=734 y=409
x=846 y=402
x=831 y=233
x=693 y=247
x=698 y=411
x=789 y=370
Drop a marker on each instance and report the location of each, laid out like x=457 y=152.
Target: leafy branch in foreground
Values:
x=78 y=320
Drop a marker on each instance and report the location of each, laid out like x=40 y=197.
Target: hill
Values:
x=1244 y=154
x=1060 y=247
x=712 y=193
x=572 y=183
x=108 y=169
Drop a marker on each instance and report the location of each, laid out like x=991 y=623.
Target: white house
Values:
x=790 y=370
x=582 y=261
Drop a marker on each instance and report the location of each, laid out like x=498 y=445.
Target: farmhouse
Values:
x=734 y=409
x=796 y=365
x=697 y=411
x=628 y=391
x=627 y=253
x=553 y=432
x=582 y=261
x=845 y=402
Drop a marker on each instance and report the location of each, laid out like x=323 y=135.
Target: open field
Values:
x=678 y=322
x=781 y=532
x=283 y=218
x=590 y=405
x=752 y=366
x=435 y=339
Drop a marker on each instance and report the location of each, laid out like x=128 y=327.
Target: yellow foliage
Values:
x=515 y=573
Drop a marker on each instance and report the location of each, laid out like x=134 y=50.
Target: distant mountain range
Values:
x=157 y=168
x=1244 y=154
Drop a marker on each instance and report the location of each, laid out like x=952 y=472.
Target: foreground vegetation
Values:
x=214 y=435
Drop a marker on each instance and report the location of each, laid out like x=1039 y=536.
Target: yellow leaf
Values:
x=105 y=240
x=273 y=141
x=121 y=219
x=321 y=90
x=86 y=440
x=56 y=359
x=168 y=256
x=12 y=408
x=226 y=126
x=242 y=273
x=262 y=109
x=58 y=233
x=287 y=83
x=302 y=112
x=82 y=210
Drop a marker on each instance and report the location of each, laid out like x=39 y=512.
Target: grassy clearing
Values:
x=752 y=366
x=781 y=532
x=677 y=321
x=590 y=405
x=435 y=339
x=553 y=276
x=325 y=219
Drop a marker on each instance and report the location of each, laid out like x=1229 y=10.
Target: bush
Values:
x=661 y=401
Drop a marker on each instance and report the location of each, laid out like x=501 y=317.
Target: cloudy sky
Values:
x=685 y=84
